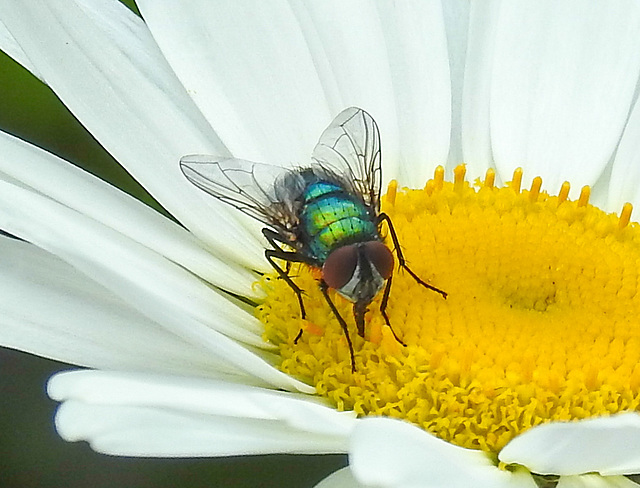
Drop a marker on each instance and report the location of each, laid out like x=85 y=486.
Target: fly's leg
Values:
x=270 y=254
x=289 y=257
x=383 y=309
x=324 y=287
x=401 y=260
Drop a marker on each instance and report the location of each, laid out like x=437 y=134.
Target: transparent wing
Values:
x=250 y=187
x=350 y=146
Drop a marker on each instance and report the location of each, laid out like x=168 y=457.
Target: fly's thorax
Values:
x=331 y=216
x=358 y=271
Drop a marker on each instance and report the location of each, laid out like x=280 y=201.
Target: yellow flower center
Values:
x=541 y=322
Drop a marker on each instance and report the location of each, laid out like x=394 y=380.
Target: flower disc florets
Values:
x=541 y=321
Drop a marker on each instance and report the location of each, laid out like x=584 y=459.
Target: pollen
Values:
x=541 y=322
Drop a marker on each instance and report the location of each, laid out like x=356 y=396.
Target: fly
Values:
x=326 y=215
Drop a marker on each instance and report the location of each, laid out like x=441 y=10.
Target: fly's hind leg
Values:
x=401 y=260
x=270 y=254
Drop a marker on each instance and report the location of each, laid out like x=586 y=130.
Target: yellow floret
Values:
x=541 y=322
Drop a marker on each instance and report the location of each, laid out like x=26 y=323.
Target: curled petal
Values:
x=154 y=415
x=595 y=481
x=391 y=453
x=606 y=445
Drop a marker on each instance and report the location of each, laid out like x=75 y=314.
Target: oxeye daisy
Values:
x=508 y=156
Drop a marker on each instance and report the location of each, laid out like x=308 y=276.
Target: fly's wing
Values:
x=350 y=147
x=249 y=187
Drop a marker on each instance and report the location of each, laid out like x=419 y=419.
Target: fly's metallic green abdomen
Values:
x=331 y=217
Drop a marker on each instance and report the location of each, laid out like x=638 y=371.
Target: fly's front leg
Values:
x=401 y=260
x=383 y=309
x=324 y=288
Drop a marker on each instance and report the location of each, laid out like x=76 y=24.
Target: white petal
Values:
x=476 y=136
x=595 y=481
x=416 y=47
x=391 y=453
x=564 y=74
x=118 y=262
x=52 y=310
x=306 y=73
x=144 y=415
x=9 y=45
x=100 y=59
x=204 y=396
x=624 y=184
x=343 y=478
x=607 y=445
x=150 y=432
x=457 y=17
x=92 y=197
x=248 y=68
x=161 y=290
x=390 y=59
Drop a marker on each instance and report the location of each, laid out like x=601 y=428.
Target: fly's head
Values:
x=358 y=272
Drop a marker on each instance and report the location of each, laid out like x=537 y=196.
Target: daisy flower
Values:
x=527 y=374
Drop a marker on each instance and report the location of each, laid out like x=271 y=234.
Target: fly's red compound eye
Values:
x=380 y=256
x=339 y=267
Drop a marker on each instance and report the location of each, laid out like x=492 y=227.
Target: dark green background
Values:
x=31 y=453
